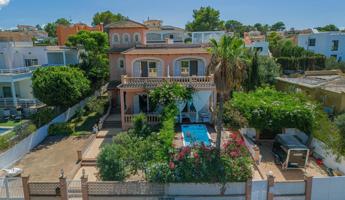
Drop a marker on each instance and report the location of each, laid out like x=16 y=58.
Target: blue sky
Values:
x=295 y=13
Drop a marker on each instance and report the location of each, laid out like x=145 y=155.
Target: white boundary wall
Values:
x=12 y=155
x=329 y=159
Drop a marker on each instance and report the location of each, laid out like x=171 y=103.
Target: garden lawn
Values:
x=10 y=123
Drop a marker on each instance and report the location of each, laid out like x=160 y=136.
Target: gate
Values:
x=11 y=188
x=74 y=190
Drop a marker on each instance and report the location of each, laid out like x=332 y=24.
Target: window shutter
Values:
x=201 y=68
x=159 y=69
x=177 y=68
x=136 y=69
x=136 y=106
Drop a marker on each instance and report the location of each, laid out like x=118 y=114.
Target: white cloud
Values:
x=4 y=3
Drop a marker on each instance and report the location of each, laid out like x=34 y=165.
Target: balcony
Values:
x=23 y=103
x=152 y=119
x=202 y=82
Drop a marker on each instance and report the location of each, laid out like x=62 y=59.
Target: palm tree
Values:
x=228 y=64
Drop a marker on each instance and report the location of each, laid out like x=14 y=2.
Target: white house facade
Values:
x=18 y=60
x=330 y=44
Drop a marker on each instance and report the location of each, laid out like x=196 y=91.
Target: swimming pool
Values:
x=195 y=133
x=4 y=131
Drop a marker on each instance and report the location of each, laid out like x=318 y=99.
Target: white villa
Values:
x=18 y=58
x=330 y=44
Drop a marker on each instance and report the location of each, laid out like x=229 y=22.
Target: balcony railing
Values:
x=202 y=81
x=19 y=70
x=151 y=119
x=24 y=103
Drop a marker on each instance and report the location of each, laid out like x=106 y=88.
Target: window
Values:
x=184 y=68
x=126 y=38
x=335 y=45
x=121 y=63
x=152 y=69
x=116 y=38
x=334 y=56
x=189 y=68
x=7 y=92
x=312 y=42
x=30 y=62
x=148 y=69
x=137 y=38
x=171 y=36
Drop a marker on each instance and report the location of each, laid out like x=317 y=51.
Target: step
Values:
x=88 y=163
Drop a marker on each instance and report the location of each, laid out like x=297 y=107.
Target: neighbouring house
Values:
x=39 y=35
x=330 y=44
x=137 y=67
x=63 y=32
x=204 y=37
x=327 y=87
x=257 y=41
x=18 y=58
x=159 y=33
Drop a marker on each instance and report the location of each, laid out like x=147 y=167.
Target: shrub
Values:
x=267 y=108
x=61 y=129
x=332 y=63
x=44 y=116
x=159 y=173
x=98 y=105
x=233 y=118
x=110 y=164
x=302 y=63
x=60 y=86
x=79 y=113
x=140 y=126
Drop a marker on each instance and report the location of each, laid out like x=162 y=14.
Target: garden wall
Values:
x=327 y=188
x=329 y=159
x=12 y=155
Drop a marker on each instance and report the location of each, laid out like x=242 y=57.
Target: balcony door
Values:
x=189 y=67
x=149 y=69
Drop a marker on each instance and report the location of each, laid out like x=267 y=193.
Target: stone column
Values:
x=122 y=102
x=84 y=186
x=308 y=187
x=249 y=189
x=270 y=188
x=26 y=191
x=63 y=186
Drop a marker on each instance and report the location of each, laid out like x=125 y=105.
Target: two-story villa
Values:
x=137 y=67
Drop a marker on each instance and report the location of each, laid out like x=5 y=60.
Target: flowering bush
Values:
x=201 y=163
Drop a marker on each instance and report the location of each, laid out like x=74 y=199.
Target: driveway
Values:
x=45 y=162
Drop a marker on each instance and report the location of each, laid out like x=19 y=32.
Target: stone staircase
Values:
x=111 y=124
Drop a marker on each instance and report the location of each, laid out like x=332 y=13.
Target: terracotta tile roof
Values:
x=126 y=24
x=167 y=49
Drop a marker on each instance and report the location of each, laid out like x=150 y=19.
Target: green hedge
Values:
x=269 y=109
x=61 y=129
x=302 y=63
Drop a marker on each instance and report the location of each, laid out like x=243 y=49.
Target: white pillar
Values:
x=13 y=89
x=64 y=58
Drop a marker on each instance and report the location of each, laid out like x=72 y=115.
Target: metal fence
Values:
x=11 y=189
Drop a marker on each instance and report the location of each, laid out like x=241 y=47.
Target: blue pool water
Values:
x=3 y=131
x=195 y=133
